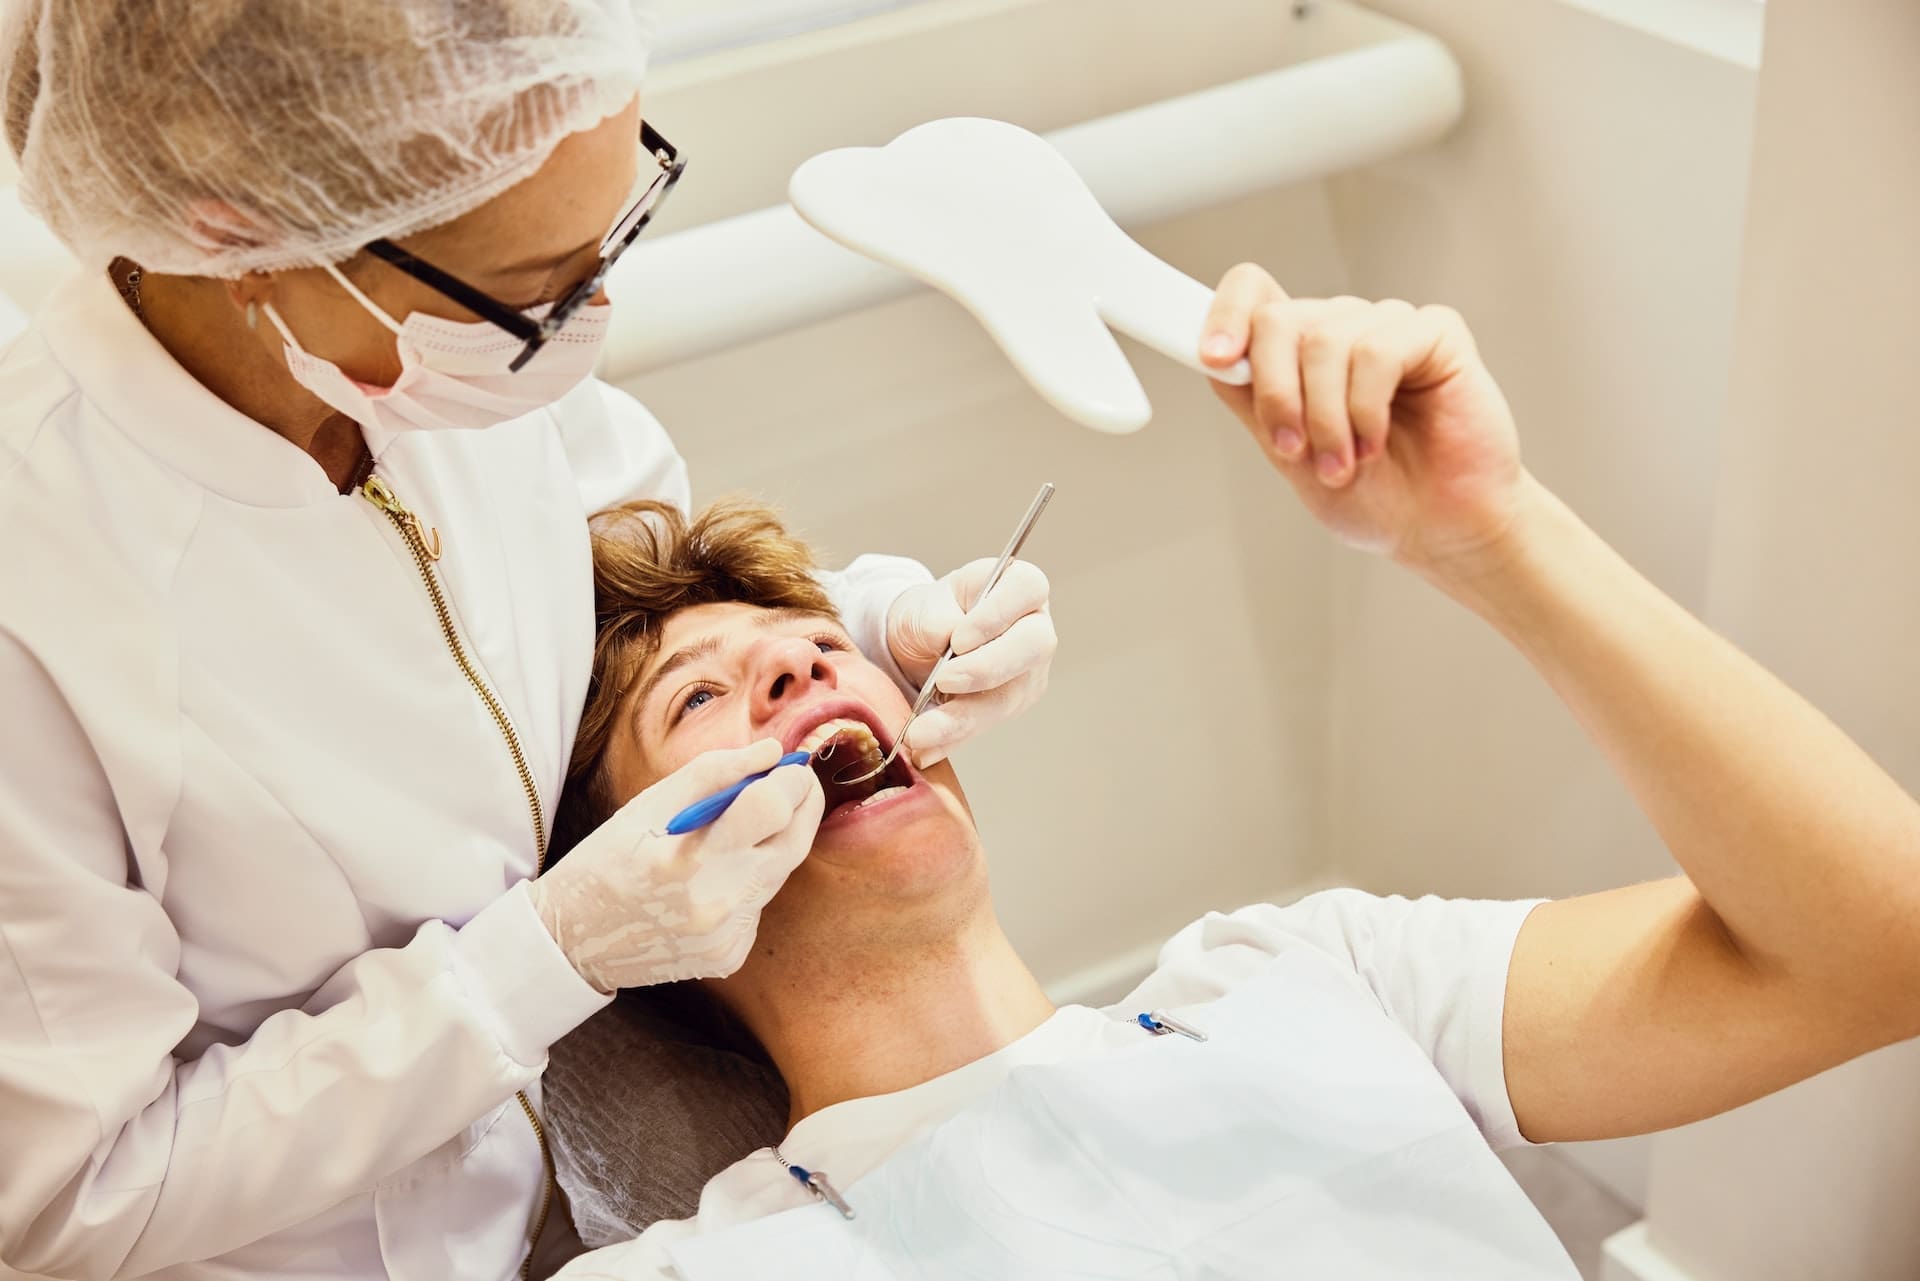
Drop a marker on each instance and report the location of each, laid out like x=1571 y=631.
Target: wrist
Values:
x=1511 y=562
x=537 y=895
x=508 y=959
x=548 y=912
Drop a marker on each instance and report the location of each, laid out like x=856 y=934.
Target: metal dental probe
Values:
x=1014 y=544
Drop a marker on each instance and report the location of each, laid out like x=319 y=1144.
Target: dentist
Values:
x=296 y=622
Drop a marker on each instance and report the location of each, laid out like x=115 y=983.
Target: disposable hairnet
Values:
x=217 y=137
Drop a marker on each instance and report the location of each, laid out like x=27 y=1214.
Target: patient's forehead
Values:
x=700 y=622
x=731 y=622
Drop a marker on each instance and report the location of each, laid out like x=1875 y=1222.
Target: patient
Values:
x=1361 y=1068
x=1306 y=1091
x=1310 y=1089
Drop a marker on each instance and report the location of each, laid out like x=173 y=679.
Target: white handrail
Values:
x=758 y=274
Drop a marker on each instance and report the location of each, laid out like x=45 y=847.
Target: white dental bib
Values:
x=1307 y=1138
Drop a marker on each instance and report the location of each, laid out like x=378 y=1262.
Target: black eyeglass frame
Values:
x=512 y=319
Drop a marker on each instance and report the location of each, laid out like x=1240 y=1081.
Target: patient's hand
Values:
x=1381 y=414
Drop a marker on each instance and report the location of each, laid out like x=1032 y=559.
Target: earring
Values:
x=253 y=315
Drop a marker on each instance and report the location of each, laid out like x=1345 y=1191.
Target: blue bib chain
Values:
x=1159 y=1022
x=816 y=1183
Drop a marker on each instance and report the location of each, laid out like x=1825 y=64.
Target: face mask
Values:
x=452 y=373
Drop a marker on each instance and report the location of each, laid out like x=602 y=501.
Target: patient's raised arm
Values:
x=1793 y=942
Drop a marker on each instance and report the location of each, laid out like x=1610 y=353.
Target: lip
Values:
x=917 y=794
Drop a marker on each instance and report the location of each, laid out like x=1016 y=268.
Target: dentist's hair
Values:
x=651 y=561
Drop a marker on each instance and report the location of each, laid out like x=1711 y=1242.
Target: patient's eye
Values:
x=694 y=701
x=828 y=643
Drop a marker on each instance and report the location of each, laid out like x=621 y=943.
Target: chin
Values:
x=909 y=875
x=913 y=848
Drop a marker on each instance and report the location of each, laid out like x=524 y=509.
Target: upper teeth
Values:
x=828 y=730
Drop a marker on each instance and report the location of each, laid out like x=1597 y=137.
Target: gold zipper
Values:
x=424 y=542
x=418 y=536
x=546 y=1189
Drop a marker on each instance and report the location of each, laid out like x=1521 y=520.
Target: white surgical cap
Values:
x=217 y=137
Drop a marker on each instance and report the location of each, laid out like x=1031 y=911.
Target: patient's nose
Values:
x=790 y=668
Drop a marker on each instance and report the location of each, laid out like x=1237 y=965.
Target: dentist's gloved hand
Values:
x=631 y=908
x=1002 y=648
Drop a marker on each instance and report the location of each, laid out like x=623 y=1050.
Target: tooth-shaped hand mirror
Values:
x=992 y=215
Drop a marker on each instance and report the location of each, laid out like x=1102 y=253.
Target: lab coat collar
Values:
x=130 y=379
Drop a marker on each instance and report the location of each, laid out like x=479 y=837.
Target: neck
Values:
x=204 y=332
x=844 y=1026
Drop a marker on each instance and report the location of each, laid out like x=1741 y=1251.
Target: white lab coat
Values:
x=269 y=977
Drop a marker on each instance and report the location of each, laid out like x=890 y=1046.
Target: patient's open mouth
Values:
x=848 y=747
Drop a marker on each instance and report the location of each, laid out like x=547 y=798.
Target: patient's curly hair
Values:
x=650 y=561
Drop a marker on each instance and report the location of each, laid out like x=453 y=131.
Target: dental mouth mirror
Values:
x=991 y=215
x=1020 y=532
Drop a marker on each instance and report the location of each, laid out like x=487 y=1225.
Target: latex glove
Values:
x=1002 y=649
x=1381 y=414
x=631 y=907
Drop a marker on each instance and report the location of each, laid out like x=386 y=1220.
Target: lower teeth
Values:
x=880 y=795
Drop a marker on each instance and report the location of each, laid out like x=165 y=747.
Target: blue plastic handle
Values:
x=701 y=813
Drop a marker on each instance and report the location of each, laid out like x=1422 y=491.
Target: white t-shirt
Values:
x=1437 y=967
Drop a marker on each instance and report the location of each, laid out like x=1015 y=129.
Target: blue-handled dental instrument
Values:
x=701 y=813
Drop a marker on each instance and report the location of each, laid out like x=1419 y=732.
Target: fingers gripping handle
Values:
x=1163 y=307
x=702 y=812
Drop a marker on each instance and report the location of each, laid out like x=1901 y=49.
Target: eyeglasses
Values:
x=519 y=323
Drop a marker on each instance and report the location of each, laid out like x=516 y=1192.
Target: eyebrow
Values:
x=774 y=617
x=678 y=659
x=710 y=646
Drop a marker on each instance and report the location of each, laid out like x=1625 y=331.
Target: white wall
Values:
x=694 y=28
x=1328 y=716
x=1586 y=219
x=1812 y=571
